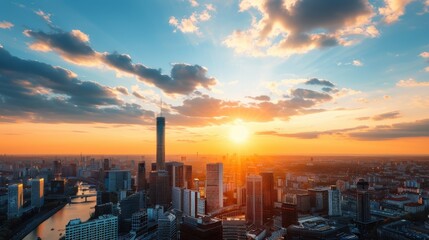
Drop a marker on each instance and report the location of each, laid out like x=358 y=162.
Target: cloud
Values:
x=138 y=95
x=424 y=54
x=6 y=25
x=419 y=128
x=260 y=98
x=388 y=115
x=191 y=24
x=38 y=92
x=74 y=47
x=411 y=83
x=310 y=94
x=357 y=63
x=122 y=90
x=194 y=3
x=312 y=135
x=315 y=81
x=393 y=10
x=46 y=16
x=285 y=28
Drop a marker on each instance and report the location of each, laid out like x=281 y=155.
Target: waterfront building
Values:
x=37 y=192
x=15 y=200
x=104 y=227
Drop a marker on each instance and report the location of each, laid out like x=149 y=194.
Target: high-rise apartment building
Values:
x=167 y=227
x=105 y=227
x=363 y=213
x=37 y=192
x=214 y=186
x=334 y=197
x=268 y=195
x=15 y=198
x=141 y=176
x=254 y=206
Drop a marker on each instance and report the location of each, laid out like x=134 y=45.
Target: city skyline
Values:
x=246 y=77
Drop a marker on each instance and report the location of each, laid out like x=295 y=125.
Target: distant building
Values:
x=176 y=174
x=141 y=176
x=117 y=180
x=160 y=143
x=204 y=228
x=190 y=202
x=188 y=177
x=303 y=203
x=319 y=201
x=105 y=227
x=312 y=227
x=334 y=197
x=106 y=164
x=15 y=200
x=363 y=213
x=286 y=214
x=414 y=207
x=254 y=207
x=167 y=227
x=37 y=192
x=103 y=209
x=214 y=186
x=268 y=195
x=202 y=203
x=58 y=186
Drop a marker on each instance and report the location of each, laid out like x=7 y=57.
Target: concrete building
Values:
x=177 y=197
x=105 y=227
x=204 y=228
x=15 y=200
x=214 y=186
x=167 y=227
x=334 y=199
x=234 y=229
x=319 y=200
x=254 y=207
x=202 y=203
x=117 y=180
x=37 y=192
x=190 y=202
x=139 y=222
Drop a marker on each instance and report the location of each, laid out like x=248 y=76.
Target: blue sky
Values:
x=374 y=52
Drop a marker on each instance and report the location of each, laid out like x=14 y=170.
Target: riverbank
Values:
x=36 y=221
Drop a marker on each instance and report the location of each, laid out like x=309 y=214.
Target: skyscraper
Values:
x=188 y=176
x=141 y=176
x=15 y=200
x=117 y=180
x=175 y=172
x=268 y=194
x=214 y=186
x=334 y=201
x=37 y=192
x=190 y=202
x=160 y=190
x=363 y=213
x=160 y=143
x=254 y=209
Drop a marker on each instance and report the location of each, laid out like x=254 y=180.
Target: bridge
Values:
x=69 y=198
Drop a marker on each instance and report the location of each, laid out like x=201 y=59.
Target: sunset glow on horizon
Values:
x=248 y=77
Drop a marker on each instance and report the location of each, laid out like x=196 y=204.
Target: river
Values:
x=58 y=221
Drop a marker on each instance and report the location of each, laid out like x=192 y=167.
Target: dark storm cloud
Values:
x=315 y=81
x=74 y=47
x=418 y=128
x=38 y=92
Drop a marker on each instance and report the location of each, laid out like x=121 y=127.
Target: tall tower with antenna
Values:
x=160 y=141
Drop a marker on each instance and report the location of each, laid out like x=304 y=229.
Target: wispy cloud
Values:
x=411 y=83
x=6 y=25
x=191 y=24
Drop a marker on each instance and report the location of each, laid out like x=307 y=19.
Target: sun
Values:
x=238 y=133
